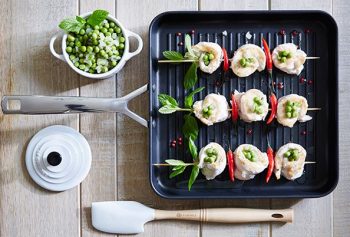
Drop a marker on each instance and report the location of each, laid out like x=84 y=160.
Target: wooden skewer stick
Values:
x=188 y=164
x=309 y=109
x=193 y=60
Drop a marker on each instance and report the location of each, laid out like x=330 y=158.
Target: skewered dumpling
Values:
x=212 y=160
x=247 y=59
x=252 y=105
x=288 y=58
x=290 y=161
x=249 y=161
x=213 y=109
x=292 y=108
x=210 y=56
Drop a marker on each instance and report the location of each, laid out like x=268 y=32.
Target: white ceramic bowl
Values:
x=125 y=57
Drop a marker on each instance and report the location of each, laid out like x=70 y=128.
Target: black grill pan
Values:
x=315 y=32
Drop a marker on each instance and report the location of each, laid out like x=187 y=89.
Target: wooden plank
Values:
x=100 y=131
x=317 y=213
x=226 y=5
x=132 y=147
x=259 y=229
x=341 y=194
x=27 y=67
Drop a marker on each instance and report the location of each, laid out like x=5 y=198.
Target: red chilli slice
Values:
x=226 y=64
x=234 y=112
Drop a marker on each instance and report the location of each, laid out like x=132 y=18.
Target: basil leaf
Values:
x=168 y=109
x=191 y=76
x=80 y=19
x=97 y=17
x=189 y=97
x=177 y=172
x=177 y=167
x=193 y=177
x=167 y=100
x=174 y=162
x=193 y=149
x=190 y=127
x=173 y=55
x=188 y=45
x=71 y=25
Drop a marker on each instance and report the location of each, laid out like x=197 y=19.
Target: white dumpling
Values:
x=254 y=57
x=212 y=160
x=291 y=167
x=294 y=60
x=300 y=104
x=247 y=107
x=200 y=51
x=247 y=168
x=213 y=109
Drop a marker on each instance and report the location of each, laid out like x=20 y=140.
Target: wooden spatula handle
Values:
x=228 y=215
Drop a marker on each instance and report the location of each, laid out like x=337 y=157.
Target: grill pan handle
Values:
x=36 y=104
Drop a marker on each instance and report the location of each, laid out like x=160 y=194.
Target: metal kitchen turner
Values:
x=34 y=104
x=129 y=217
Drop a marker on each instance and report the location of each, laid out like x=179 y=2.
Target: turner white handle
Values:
x=228 y=215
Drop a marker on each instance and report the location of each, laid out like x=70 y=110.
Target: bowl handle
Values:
x=139 y=47
x=59 y=56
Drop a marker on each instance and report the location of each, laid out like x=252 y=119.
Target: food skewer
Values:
x=196 y=60
x=189 y=164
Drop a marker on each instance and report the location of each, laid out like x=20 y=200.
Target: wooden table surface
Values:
x=119 y=145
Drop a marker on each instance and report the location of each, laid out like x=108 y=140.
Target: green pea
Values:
x=71 y=44
x=206 y=63
x=283 y=59
x=121 y=46
x=284 y=53
x=288 y=108
x=112 y=24
x=211 y=56
x=108 y=34
x=94 y=42
x=118 y=30
x=207 y=160
x=78 y=44
x=110 y=53
x=110 y=30
x=205 y=110
x=106 y=25
x=81 y=60
x=82 y=32
x=68 y=49
x=70 y=38
x=102 y=51
x=82 y=66
x=96 y=32
x=104 y=30
x=248 y=156
x=289 y=55
x=105 y=56
x=76 y=64
x=243 y=62
x=105 y=69
x=96 y=27
x=82 y=48
x=116 y=53
x=91 y=70
x=96 y=49
x=287 y=154
x=113 y=63
x=289 y=115
x=258 y=110
x=205 y=57
x=295 y=114
x=288 y=103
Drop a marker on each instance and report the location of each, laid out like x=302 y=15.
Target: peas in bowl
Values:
x=95 y=45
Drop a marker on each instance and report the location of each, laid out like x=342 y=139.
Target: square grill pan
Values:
x=315 y=32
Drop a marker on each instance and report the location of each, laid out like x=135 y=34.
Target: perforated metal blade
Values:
x=120 y=217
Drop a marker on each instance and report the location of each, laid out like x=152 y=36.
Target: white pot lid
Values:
x=58 y=158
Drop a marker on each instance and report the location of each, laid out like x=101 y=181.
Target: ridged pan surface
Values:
x=315 y=33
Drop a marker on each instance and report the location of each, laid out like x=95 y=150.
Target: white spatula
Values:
x=128 y=217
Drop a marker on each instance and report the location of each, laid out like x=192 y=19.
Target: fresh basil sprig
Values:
x=169 y=104
x=77 y=23
x=178 y=167
x=173 y=55
x=97 y=17
x=189 y=97
x=193 y=177
x=191 y=77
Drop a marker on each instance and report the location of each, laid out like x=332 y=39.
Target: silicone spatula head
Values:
x=120 y=217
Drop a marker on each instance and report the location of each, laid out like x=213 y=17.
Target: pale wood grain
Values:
x=132 y=147
x=27 y=67
x=100 y=131
x=341 y=204
x=313 y=217
x=226 y=5
x=257 y=229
